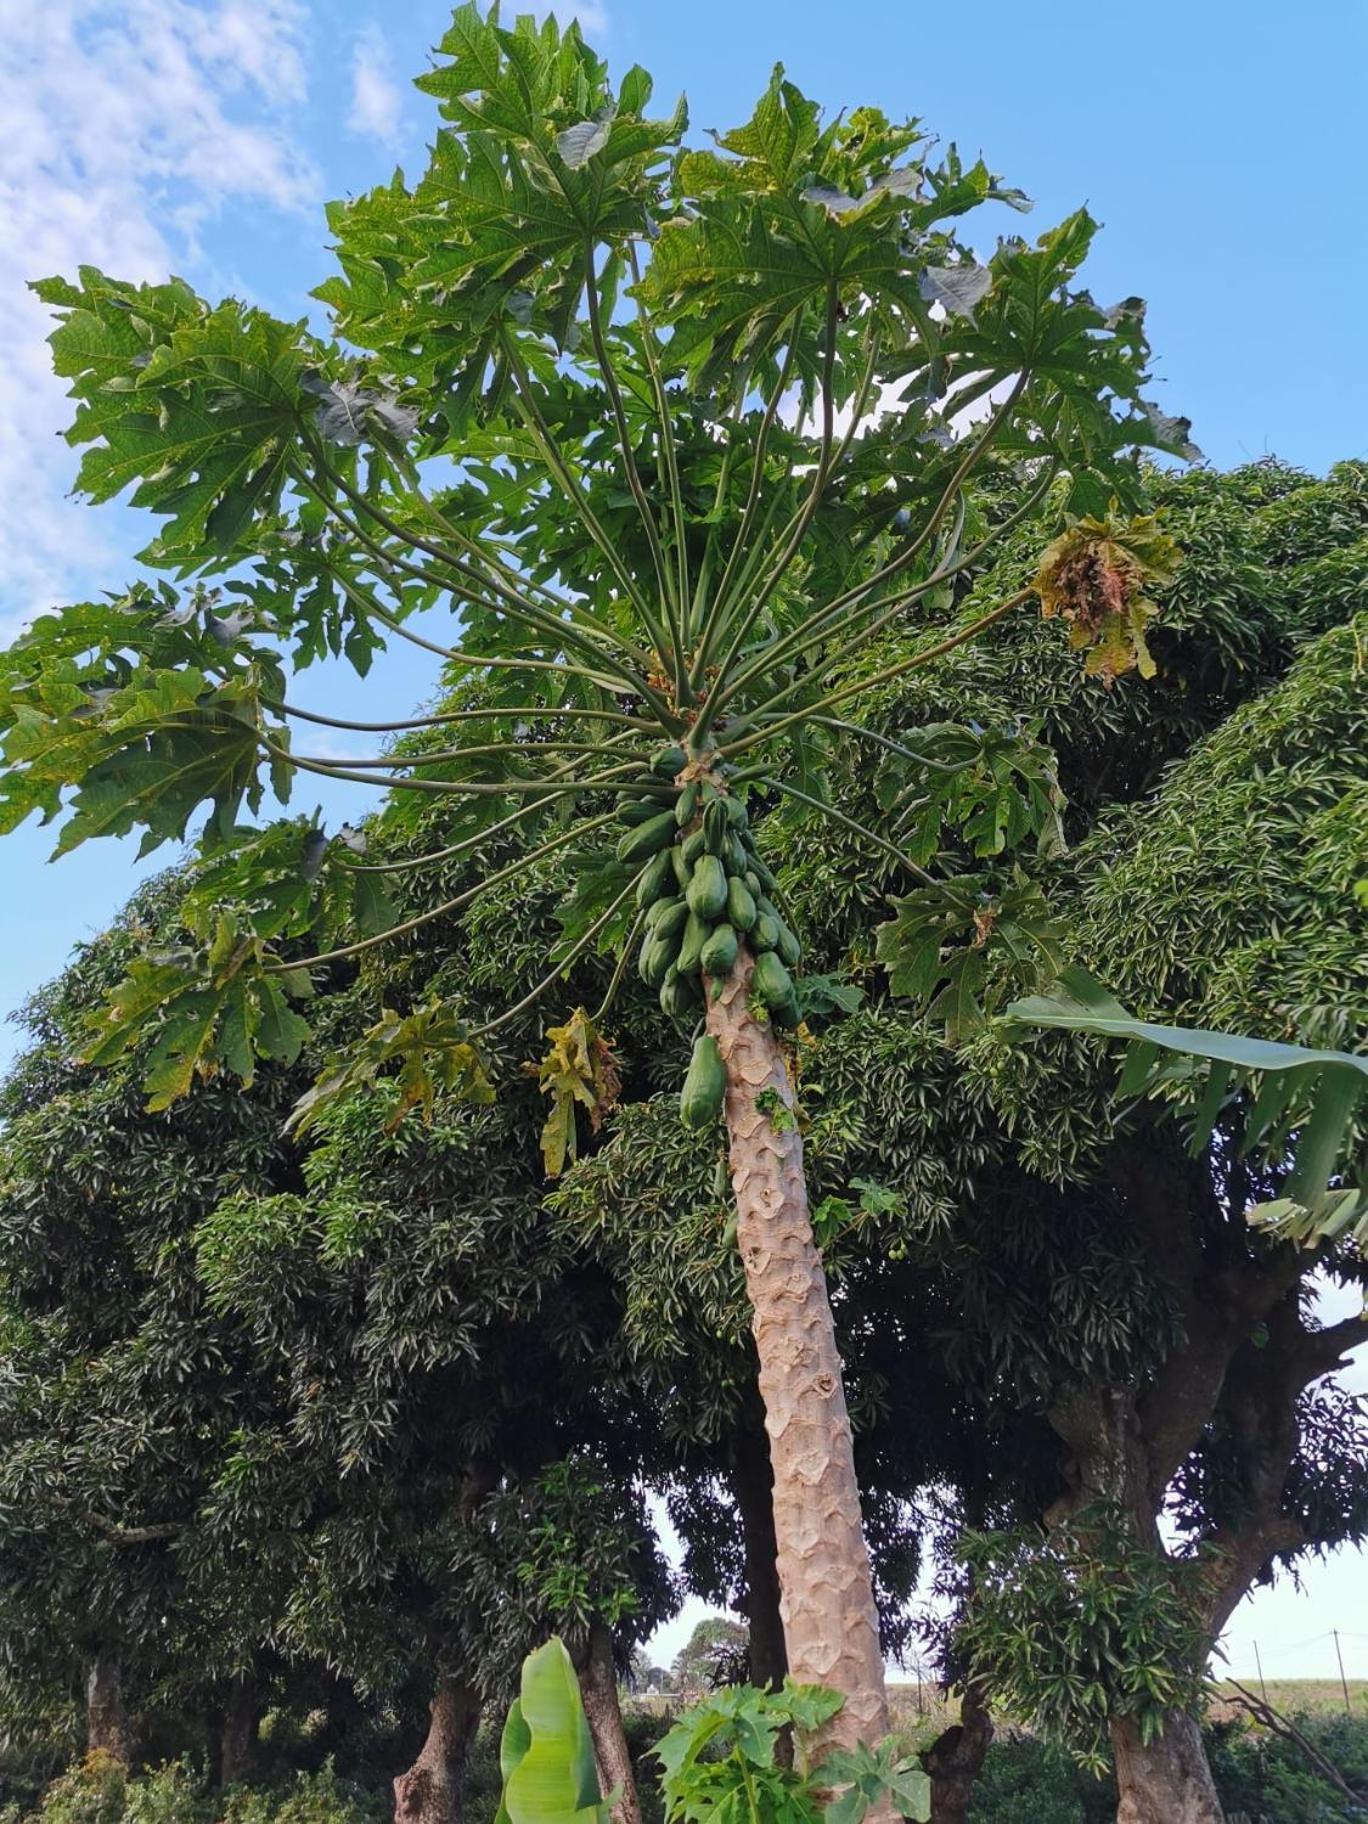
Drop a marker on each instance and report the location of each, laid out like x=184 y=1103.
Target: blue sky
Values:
x=1218 y=143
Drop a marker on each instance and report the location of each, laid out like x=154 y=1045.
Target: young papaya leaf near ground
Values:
x=680 y=433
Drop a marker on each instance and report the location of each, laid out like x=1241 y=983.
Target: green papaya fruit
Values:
x=736 y=857
x=764 y=933
x=647 y=839
x=656 y=882
x=693 y=845
x=680 y=995
x=669 y=761
x=657 y=955
x=696 y=933
x=762 y=873
x=707 y=888
x=700 y=1100
x=681 y=867
x=719 y=953
x=686 y=805
x=736 y=811
x=788 y=949
x=667 y=918
x=716 y=829
x=742 y=910
x=771 y=981
x=752 y=880
x=633 y=810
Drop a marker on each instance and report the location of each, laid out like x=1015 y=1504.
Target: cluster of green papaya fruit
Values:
x=704 y=889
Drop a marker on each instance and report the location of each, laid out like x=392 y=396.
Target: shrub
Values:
x=1270 y=1781
x=309 y=1798
x=1026 y=1778
x=91 y=1792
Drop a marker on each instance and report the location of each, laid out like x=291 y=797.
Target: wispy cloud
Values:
x=377 y=99
x=126 y=127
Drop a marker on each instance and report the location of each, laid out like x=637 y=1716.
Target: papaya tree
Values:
x=675 y=437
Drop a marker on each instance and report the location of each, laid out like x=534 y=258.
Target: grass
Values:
x=1289 y=1695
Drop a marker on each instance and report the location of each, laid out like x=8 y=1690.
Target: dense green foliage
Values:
x=1262 y=1775
x=100 y=1790
x=588 y=392
x=364 y=1310
x=1072 y=1629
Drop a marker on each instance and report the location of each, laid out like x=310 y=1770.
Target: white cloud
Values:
x=128 y=124
x=377 y=100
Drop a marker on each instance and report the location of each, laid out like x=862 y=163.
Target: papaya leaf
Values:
x=580 y=1068
x=193 y=1013
x=433 y=1056
x=1095 y=577
x=937 y=947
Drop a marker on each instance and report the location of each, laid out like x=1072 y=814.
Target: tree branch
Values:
x=1326 y=1349
x=136 y=1535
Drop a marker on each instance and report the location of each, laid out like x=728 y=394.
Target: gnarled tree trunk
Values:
x=238 y=1740
x=955 y=1759
x=831 y=1626
x=598 y=1688
x=753 y=1488
x=107 y=1725
x=1167 y=1781
x=430 y=1791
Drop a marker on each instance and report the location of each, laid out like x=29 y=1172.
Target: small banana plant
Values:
x=546 y=1755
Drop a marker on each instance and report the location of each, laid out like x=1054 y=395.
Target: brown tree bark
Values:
x=753 y=1489
x=598 y=1689
x=1167 y=1781
x=831 y=1625
x=430 y=1791
x=238 y=1740
x=955 y=1760
x=107 y=1726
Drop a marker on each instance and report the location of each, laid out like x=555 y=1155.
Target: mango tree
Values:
x=675 y=435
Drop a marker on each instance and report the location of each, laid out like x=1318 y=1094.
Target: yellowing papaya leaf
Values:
x=1095 y=576
x=432 y=1053
x=579 y=1068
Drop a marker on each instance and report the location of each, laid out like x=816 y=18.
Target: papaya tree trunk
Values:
x=107 y=1726
x=238 y=1739
x=831 y=1626
x=599 y=1691
x=753 y=1489
x=1166 y=1781
x=430 y=1791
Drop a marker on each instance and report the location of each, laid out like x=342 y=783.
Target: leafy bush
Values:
x=100 y=1790
x=1074 y=1628
x=91 y=1792
x=1026 y=1778
x=310 y=1798
x=1271 y=1781
x=170 y=1794
x=720 y=1760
